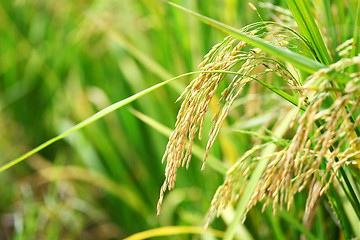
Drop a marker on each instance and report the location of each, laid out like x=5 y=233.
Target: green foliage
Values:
x=86 y=73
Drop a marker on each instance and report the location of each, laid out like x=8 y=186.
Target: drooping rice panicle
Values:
x=297 y=166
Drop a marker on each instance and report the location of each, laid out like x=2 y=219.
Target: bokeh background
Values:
x=60 y=63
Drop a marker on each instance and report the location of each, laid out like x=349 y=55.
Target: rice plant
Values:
x=276 y=102
x=325 y=143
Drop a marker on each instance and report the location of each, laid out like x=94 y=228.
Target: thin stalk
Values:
x=335 y=203
x=275 y=224
x=319 y=228
x=285 y=215
x=254 y=179
x=355 y=201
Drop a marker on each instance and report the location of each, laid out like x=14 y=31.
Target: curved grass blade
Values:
x=278 y=141
x=304 y=63
x=90 y=120
x=281 y=93
x=295 y=224
x=174 y=230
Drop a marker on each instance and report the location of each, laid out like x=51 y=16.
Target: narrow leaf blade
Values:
x=306 y=64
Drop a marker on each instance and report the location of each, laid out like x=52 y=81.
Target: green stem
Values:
x=335 y=203
x=254 y=179
x=285 y=215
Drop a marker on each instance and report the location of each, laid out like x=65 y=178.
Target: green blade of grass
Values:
x=282 y=94
x=336 y=205
x=295 y=224
x=318 y=225
x=90 y=120
x=275 y=225
x=305 y=21
x=304 y=63
x=174 y=230
x=272 y=88
x=278 y=141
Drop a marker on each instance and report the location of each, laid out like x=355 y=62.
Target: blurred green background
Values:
x=60 y=63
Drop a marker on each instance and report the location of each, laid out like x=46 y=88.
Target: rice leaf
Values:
x=304 y=63
x=173 y=230
x=90 y=120
x=306 y=22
